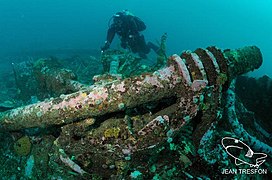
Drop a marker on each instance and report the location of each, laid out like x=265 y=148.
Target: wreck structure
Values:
x=102 y=126
x=189 y=73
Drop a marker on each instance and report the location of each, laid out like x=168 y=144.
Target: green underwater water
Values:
x=70 y=111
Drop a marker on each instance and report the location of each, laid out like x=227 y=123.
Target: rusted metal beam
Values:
x=184 y=77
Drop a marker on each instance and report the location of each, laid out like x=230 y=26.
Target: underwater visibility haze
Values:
x=135 y=89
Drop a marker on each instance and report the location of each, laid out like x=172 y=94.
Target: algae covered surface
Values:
x=72 y=109
x=161 y=124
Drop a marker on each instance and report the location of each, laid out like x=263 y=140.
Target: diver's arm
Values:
x=110 y=36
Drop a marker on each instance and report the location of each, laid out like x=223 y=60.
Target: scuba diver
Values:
x=128 y=28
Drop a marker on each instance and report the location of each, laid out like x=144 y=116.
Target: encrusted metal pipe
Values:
x=185 y=76
x=114 y=65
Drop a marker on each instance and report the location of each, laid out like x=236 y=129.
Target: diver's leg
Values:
x=144 y=49
x=124 y=43
x=138 y=45
x=154 y=47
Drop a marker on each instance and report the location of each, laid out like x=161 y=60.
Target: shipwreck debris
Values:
x=177 y=79
x=104 y=132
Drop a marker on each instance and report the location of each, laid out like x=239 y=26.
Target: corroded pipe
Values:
x=44 y=78
x=92 y=101
x=192 y=72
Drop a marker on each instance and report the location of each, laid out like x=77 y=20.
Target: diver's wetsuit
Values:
x=128 y=28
